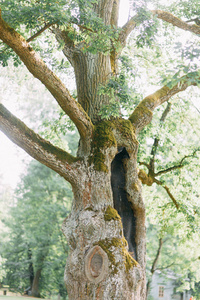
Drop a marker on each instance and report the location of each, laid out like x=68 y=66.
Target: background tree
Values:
x=90 y=38
x=35 y=247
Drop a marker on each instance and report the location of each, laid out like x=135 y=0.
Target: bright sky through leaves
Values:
x=11 y=156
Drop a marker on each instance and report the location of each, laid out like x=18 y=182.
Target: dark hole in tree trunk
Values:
x=121 y=203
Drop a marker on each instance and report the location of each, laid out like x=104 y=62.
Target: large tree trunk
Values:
x=99 y=265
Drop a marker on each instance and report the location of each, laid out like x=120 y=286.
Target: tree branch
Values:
x=166 y=267
x=156 y=140
x=168 y=192
x=168 y=170
x=168 y=17
x=143 y=113
x=155 y=262
x=33 y=36
x=126 y=30
x=40 y=149
x=39 y=32
x=178 y=166
x=115 y=13
x=40 y=70
x=150 y=179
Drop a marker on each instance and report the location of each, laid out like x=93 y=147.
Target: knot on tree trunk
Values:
x=146 y=179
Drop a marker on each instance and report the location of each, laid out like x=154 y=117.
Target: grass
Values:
x=16 y=298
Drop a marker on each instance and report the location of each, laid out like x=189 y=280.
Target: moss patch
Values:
x=140 y=112
x=121 y=244
x=106 y=245
x=111 y=214
x=130 y=262
x=103 y=138
x=125 y=127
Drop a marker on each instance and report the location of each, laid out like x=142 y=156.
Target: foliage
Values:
x=42 y=202
x=154 y=56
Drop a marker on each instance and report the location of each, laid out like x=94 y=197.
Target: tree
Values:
x=99 y=265
x=35 y=244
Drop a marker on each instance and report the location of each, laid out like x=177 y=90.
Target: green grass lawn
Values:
x=16 y=298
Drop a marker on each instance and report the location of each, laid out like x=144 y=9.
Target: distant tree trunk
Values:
x=153 y=268
x=35 y=287
x=35 y=291
x=30 y=268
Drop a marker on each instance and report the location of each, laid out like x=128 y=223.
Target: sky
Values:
x=11 y=156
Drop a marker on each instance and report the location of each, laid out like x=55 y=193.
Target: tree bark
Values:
x=35 y=287
x=99 y=265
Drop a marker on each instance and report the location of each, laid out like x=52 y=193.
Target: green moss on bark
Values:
x=103 y=138
x=111 y=214
x=121 y=244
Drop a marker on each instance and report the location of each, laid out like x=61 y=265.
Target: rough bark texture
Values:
x=94 y=222
x=99 y=265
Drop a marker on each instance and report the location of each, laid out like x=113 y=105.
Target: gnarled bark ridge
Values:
x=102 y=264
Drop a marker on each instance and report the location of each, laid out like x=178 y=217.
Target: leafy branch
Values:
x=170 y=18
x=150 y=178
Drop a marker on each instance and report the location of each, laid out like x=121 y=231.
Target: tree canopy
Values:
x=145 y=71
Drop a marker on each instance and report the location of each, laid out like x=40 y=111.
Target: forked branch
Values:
x=126 y=30
x=143 y=113
x=150 y=179
x=40 y=70
x=180 y=165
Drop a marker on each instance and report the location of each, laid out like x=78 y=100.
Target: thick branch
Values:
x=40 y=70
x=168 y=17
x=143 y=113
x=40 y=149
x=33 y=36
x=126 y=30
x=115 y=13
